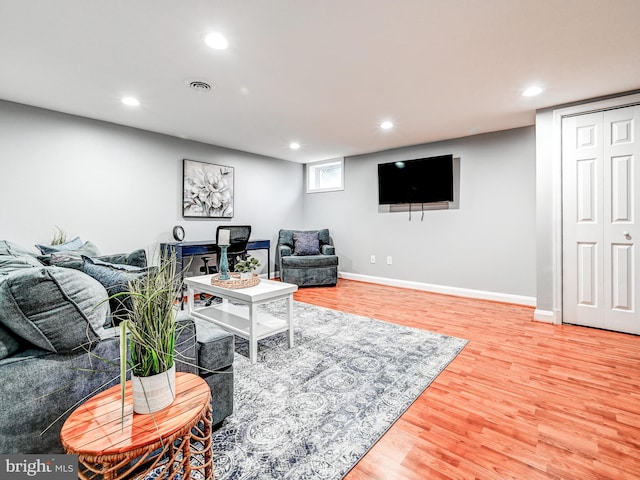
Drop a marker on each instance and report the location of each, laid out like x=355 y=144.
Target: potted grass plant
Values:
x=59 y=236
x=148 y=336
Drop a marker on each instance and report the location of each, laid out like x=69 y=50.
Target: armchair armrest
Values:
x=328 y=250
x=285 y=250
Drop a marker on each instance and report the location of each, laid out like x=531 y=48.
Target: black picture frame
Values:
x=207 y=190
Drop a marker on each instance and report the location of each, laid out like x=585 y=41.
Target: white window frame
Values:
x=313 y=171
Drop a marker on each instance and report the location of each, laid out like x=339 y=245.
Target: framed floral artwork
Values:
x=207 y=190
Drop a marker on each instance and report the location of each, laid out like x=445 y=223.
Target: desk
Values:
x=190 y=249
x=176 y=439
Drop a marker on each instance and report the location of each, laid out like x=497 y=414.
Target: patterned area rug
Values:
x=313 y=411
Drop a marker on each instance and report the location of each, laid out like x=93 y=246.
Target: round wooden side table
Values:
x=175 y=441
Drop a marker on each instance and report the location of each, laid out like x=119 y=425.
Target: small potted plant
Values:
x=246 y=267
x=149 y=335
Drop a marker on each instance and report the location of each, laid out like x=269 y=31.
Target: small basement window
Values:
x=325 y=176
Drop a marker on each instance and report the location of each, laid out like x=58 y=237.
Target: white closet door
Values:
x=601 y=200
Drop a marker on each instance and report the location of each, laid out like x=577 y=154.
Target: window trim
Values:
x=315 y=165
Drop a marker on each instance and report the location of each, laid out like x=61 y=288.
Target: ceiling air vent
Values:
x=200 y=86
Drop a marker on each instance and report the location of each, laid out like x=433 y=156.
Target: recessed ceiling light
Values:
x=131 y=101
x=294 y=145
x=532 y=91
x=216 y=41
x=386 y=125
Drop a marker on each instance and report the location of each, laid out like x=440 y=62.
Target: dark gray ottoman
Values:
x=215 y=362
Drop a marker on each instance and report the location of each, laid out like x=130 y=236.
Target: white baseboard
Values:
x=460 y=292
x=547 y=316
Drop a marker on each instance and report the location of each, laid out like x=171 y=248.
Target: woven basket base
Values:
x=235 y=281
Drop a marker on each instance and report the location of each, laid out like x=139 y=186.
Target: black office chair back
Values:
x=238 y=239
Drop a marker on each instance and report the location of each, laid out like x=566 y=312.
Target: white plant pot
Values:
x=154 y=393
x=246 y=275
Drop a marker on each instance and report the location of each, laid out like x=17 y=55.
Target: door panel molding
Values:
x=599 y=197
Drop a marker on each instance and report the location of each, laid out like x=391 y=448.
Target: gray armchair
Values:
x=307 y=258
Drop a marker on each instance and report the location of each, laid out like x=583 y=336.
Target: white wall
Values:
x=487 y=245
x=121 y=187
x=547 y=214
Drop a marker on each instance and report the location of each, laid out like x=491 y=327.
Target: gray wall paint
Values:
x=488 y=244
x=121 y=187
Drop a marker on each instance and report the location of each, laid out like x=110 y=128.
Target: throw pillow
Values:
x=57 y=309
x=115 y=279
x=306 y=243
x=13 y=257
x=62 y=247
x=70 y=258
x=137 y=258
x=10 y=263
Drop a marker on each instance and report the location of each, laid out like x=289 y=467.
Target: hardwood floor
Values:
x=524 y=400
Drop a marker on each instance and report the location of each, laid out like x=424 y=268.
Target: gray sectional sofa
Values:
x=59 y=345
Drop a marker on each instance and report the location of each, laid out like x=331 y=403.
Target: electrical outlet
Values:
x=389 y=260
x=373 y=259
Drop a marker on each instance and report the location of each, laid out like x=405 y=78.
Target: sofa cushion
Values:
x=310 y=261
x=215 y=347
x=115 y=279
x=61 y=247
x=57 y=309
x=306 y=243
x=8 y=343
x=15 y=250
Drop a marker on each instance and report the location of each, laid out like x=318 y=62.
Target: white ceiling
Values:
x=324 y=73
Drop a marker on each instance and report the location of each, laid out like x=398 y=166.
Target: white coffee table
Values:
x=244 y=320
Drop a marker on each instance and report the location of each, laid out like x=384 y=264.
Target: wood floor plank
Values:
x=524 y=399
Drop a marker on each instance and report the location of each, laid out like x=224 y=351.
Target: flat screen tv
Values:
x=423 y=180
